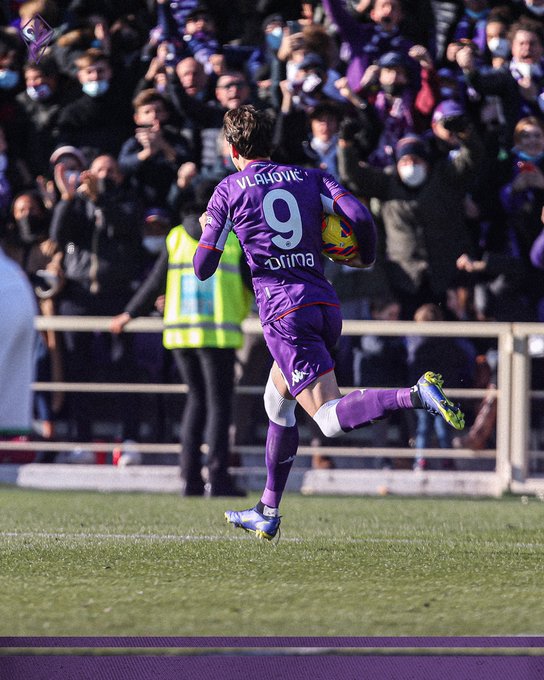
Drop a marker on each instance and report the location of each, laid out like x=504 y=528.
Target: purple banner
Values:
x=317 y=667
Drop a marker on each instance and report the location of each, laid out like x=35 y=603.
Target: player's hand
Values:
x=203 y=219
x=356 y=263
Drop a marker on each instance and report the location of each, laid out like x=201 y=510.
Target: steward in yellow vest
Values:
x=203 y=313
x=202 y=328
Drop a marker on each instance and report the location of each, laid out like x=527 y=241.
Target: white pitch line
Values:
x=237 y=537
x=131 y=537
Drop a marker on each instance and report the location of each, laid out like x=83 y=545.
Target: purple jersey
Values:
x=276 y=213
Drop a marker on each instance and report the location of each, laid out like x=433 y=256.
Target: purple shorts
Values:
x=301 y=343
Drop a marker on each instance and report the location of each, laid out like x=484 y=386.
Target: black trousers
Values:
x=101 y=357
x=209 y=375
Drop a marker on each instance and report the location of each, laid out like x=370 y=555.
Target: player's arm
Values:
x=215 y=229
x=358 y=215
x=206 y=261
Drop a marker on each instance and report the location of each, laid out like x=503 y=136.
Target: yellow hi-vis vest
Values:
x=203 y=313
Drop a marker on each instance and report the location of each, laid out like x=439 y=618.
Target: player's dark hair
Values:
x=249 y=130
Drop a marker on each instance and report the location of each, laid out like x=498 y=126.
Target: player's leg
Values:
x=336 y=415
x=281 y=449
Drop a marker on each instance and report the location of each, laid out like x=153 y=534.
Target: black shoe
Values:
x=193 y=488
x=226 y=489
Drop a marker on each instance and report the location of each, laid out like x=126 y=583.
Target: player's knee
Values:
x=279 y=409
x=327 y=420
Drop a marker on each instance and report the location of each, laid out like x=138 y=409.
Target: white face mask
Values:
x=94 y=88
x=412 y=175
x=499 y=47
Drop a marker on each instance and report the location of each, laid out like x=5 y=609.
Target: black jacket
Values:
x=101 y=241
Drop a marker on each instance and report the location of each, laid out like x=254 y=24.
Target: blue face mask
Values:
x=476 y=15
x=9 y=79
x=39 y=93
x=94 y=88
x=527 y=157
x=273 y=39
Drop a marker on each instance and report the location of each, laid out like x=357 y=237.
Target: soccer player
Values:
x=276 y=213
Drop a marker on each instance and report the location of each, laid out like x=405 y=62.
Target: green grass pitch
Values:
x=74 y=563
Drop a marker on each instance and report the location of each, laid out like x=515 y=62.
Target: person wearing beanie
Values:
x=422 y=210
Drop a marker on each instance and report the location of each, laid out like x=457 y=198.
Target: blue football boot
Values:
x=251 y=520
x=432 y=397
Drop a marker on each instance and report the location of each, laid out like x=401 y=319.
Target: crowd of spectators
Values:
x=432 y=112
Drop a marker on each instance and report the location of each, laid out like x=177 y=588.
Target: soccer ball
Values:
x=339 y=242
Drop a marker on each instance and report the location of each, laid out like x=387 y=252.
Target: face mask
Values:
x=39 y=93
x=273 y=39
x=528 y=157
x=413 y=175
x=153 y=244
x=476 y=15
x=94 y=88
x=499 y=47
x=8 y=79
x=32 y=228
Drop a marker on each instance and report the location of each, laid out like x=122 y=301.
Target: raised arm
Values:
x=216 y=226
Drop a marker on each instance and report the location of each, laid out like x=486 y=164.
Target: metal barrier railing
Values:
x=513 y=388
